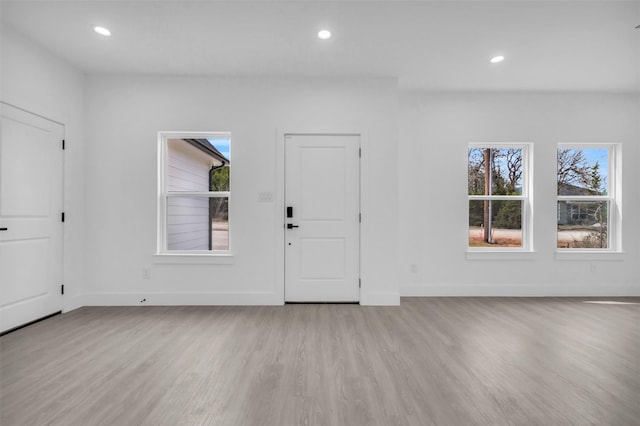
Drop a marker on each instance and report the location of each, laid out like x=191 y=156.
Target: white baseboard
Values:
x=516 y=290
x=368 y=299
x=177 y=299
x=171 y=299
x=72 y=302
x=380 y=298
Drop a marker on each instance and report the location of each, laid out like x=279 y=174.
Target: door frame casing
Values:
x=63 y=201
x=280 y=199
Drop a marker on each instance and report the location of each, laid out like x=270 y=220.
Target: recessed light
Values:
x=324 y=35
x=497 y=59
x=102 y=31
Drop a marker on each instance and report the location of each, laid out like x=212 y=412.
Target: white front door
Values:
x=31 y=181
x=322 y=218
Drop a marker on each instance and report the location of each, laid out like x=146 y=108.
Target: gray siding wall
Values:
x=187 y=217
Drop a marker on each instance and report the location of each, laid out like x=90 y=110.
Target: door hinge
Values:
x=359 y=282
x=359 y=152
x=63 y=144
x=61 y=288
x=360 y=217
x=62 y=216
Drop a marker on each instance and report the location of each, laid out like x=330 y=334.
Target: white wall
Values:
x=435 y=129
x=414 y=197
x=36 y=81
x=124 y=114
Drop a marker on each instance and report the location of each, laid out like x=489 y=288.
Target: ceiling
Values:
x=430 y=45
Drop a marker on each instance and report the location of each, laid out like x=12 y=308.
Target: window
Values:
x=587 y=204
x=498 y=195
x=194 y=193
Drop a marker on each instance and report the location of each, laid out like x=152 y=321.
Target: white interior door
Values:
x=31 y=182
x=322 y=196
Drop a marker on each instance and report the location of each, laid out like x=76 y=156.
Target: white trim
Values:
x=504 y=144
x=615 y=162
x=62 y=301
x=209 y=194
x=474 y=253
x=63 y=234
x=497 y=197
x=279 y=215
x=32 y=113
x=279 y=198
x=516 y=290
x=72 y=302
x=613 y=197
x=179 y=299
x=160 y=204
x=192 y=135
x=162 y=195
x=583 y=198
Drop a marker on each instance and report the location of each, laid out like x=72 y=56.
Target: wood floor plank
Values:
x=430 y=361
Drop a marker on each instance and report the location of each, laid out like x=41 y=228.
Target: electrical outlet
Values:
x=413 y=268
x=146 y=273
x=593 y=267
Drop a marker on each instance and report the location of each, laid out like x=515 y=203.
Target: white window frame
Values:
x=164 y=194
x=613 y=197
x=526 y=198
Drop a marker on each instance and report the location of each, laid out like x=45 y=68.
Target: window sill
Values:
x=195 y=258
x=589 y=255
x=500 y=255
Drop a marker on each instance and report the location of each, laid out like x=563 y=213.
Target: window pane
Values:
x=220 y=175
x=197 y=165
x=583 y=171
x=502 y=177
x=197 y=223
x=504 y=229
x=220 y=223
x=583 y=224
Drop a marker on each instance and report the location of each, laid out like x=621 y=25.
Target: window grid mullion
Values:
x=497 y=197
x=210 y=194
x=584 y=198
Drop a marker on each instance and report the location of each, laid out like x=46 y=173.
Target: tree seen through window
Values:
x=583 y=197
x=495 y=189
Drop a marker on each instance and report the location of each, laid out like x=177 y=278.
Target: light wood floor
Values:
x=431 y=361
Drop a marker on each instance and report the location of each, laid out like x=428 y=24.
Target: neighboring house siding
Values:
x=187 y=217
x=563 y=214
x=571 y=213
